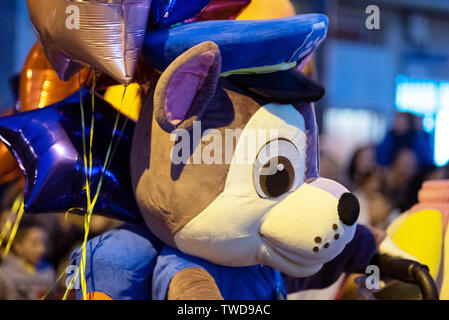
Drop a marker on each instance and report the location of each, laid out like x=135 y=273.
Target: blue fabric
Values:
x=120 y=263
x=235 y=283
x=243 y=44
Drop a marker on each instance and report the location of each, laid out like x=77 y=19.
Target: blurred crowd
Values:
x=36 y=264
x=386 y=179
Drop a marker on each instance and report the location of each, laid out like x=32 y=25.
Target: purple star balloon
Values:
x=48 y=146
x=103 y=34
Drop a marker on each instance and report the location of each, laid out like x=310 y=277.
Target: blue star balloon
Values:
x=165 y=13
x=47 y=143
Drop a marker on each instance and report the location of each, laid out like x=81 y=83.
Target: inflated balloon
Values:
x=165 y=13
x=221 y=10
x=40 y=86
x=9 y=169
x=267 y=9
x=48 y=146
x=130 y=106
x=106 y=35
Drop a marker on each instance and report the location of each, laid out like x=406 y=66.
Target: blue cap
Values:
x=243 y=44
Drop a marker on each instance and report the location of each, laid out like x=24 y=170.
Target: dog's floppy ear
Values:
x=187 y=86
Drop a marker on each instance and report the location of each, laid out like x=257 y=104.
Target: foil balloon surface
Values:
x=40 y=85
x=104 y=34
x=221 y=10
x=47 y=143
x=9 y=169
x=165 y=13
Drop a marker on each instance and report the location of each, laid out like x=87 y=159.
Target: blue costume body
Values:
x=130 y=263
x=246 y=283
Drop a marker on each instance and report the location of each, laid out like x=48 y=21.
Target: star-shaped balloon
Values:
x=221 y=10
x=103 y=34
x=165 y=13
x=48 y=145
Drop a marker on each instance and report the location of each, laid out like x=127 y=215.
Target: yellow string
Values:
x=66 y=215
x=71 y=284
x=14 y=230
x=7 y=226
x=83 y=127
x=91 y=202
x=12 y=216
x=91 y=207
x=92 y=121
x=60 y=277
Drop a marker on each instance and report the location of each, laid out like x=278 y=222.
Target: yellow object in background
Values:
x=131 y=103
x=421 y=235
x=444 y=292
x=267 y=9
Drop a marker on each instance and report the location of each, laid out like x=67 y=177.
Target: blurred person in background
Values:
x=403 y=180
x=366 y=180
x=24 y=275
x=361 y=166
x=66 y=231
x=439 y=173
x=405 y=134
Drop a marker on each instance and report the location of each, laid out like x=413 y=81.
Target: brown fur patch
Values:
x=169 y=196
x=193 y=284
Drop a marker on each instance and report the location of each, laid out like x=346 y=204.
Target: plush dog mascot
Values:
x=244 y=212
x=225 y=171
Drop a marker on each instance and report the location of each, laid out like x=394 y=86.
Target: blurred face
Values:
x=365 y=161
x=406 y=163
x=379 y=209
x=32 y=247
x=401 y=124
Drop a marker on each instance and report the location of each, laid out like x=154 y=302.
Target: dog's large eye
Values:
x=278 y=168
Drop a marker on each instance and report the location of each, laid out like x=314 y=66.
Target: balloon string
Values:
x=92 y=202
x=92 y=126
x=83 y=127
x=66 y=215
x=111 y=150
x=87 y=172
x=108 y=159
x=15 y=228
x=60 y=277
x=12 y=217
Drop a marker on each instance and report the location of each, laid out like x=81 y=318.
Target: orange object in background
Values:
x=267 y=9
x=9 y=169
x=40 y=86
x=98 y=296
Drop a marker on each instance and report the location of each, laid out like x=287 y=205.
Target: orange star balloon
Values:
x=9 y=169
x=40 y=86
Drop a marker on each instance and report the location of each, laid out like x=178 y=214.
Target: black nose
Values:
x=348 y=209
